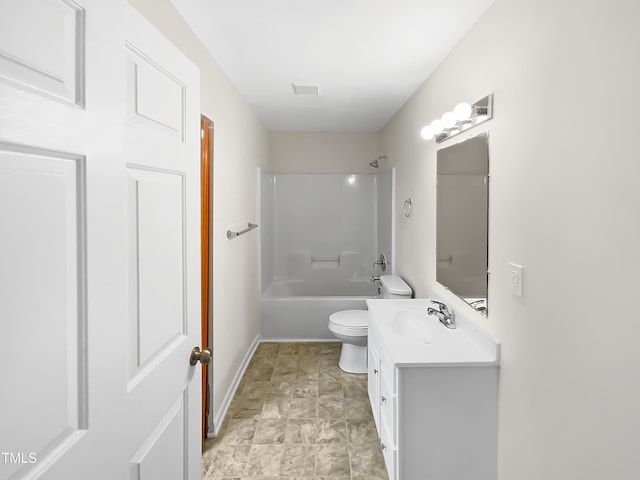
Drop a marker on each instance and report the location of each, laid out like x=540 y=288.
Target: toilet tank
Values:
x=392 y=286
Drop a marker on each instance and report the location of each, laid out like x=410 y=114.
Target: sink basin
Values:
x=414 y=326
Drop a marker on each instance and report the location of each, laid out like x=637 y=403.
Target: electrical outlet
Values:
x=516 y=279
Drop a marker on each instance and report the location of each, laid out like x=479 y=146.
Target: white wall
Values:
x=565 y=203
x=323 y=152
x=240 y=146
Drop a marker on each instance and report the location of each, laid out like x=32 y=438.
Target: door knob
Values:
x=203 y=356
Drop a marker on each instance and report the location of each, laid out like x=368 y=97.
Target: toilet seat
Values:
x=354 y=323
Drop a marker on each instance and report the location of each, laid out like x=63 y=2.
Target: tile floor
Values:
x=297 y=416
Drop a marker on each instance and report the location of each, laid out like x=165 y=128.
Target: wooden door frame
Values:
x=206 y=161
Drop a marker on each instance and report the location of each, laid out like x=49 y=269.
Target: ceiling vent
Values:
x=307 y=90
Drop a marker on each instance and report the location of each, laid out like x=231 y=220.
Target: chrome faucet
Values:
x=479 y=305
x=443 y=313
x=382 y=262
x=375 y=278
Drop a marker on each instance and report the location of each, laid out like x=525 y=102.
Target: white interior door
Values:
x=162 y=144
x=99 y=245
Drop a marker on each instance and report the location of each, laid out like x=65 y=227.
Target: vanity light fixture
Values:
x=463 y=117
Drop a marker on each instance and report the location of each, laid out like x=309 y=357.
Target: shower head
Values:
x=375 y=163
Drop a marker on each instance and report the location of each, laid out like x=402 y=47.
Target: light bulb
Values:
x=426 y=133
x=448 y=120
x=436 y=126
x=462 y=111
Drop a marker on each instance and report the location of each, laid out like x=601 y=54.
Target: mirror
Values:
x=462 y=213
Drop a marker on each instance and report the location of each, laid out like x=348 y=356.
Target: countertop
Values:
x=411 y=338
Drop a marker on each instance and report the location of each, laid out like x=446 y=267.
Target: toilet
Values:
x=352 y=326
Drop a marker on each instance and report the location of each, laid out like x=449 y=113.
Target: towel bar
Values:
x=250 y=227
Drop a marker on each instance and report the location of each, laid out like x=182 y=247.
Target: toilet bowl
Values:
x=352 y=326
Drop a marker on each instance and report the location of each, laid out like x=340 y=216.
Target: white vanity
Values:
x=434 y=393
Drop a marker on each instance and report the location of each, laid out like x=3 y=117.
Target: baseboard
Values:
x=300 y=340
x=219 y=417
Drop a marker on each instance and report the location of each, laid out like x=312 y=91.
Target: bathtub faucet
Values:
x=382 y=262
x=375 y=278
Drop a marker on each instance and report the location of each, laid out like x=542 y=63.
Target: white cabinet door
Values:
x=373 y=380
x=99 y=245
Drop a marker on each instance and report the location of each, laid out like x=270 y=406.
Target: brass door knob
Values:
x=204 y=356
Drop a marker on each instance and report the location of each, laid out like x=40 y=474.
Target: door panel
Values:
x=157 y=266
x=54 y=68
x=52 y=328
x=162 y=455
x=155 y=97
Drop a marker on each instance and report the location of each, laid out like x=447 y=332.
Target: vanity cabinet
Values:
x=436 y=421
x=383 y=404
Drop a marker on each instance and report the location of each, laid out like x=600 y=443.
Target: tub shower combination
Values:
x=292 y=310
x=320 y=237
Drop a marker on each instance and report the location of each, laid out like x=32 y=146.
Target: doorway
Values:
x=206 y=168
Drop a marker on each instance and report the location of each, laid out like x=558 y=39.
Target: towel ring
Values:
x=407 y=208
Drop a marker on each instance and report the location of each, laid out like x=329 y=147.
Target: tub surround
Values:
x=303 y=318
x=299 y=308
x=298 y=288
x=311 y=222
x=320 y=234
x=338 y=272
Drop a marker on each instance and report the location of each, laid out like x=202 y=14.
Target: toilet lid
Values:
x=350 y=318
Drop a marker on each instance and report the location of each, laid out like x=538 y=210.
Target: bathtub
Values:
x=299 y=310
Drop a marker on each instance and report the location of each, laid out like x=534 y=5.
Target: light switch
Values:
x=515 y=277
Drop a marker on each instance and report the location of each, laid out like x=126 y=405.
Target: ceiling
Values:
x=367 y=57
